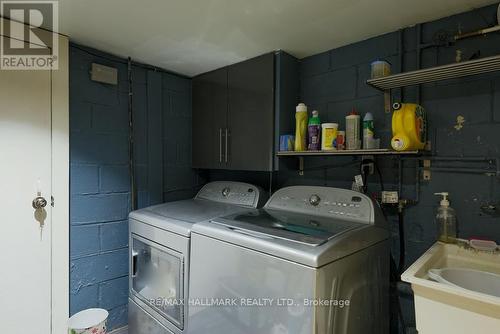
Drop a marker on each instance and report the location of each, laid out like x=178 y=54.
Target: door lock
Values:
x=39 y=203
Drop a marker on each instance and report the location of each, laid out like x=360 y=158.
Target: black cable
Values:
x=395 y=272
x=379 y=175
x=402 y=248
x=365 y=170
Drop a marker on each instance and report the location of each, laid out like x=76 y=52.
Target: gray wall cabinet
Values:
x=209 y=119
x=234 y=116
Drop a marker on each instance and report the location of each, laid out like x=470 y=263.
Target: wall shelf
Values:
x=363 y=153
x=382 y=151
x=444 y=72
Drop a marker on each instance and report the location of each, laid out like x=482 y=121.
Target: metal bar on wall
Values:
x=133 y=192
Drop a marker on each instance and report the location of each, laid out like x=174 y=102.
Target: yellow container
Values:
x=328 y=136
x=409 y=127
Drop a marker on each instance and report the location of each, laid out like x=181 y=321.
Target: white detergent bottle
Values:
x=446 y=220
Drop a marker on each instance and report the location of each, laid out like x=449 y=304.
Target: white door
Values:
x=25 y=173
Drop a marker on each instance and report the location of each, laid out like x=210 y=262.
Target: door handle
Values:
x=227 y=135
x=220 y=145
x=39 y=202
x=135 y=254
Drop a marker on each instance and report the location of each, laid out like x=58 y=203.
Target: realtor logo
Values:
x=27 y=40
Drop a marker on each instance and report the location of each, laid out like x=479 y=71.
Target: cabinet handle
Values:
x=226 y=145
x=220 y=145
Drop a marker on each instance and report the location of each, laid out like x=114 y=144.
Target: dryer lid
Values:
x=290 y=226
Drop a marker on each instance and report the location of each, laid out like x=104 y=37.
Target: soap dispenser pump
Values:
x=446 y=220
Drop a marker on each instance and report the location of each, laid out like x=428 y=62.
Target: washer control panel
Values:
x=324 y=201
x=237 y=193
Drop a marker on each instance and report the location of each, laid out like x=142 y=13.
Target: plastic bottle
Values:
x=352 y=125
x=300 y=127
x=409 y=127
x=446 y=220
x=368 y=130
x=314 y=132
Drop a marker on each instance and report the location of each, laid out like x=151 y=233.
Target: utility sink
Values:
x=457 y=289
x=469 y=279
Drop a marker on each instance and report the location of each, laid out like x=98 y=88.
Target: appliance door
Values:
x=236 y=290
x=141 y=322
x=157 y=278
x=301 y=228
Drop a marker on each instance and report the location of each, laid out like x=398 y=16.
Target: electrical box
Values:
x=104 y=74
x=390 y=197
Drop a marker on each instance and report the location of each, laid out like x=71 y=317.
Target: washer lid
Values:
x=295 y=227
x=179 y=216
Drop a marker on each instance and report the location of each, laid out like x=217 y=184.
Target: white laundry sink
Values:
x=457 y=290
x=474 y=280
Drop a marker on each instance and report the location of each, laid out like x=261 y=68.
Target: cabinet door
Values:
x=251 y=114
x=209 y=119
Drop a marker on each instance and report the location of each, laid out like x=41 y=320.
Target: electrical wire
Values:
x=379 y=176
x=402 y=243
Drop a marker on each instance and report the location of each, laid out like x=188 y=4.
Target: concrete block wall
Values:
x=100 y=175
x=162 y=137
x=334 y=81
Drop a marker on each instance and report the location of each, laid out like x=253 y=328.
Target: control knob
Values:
x=314 y=200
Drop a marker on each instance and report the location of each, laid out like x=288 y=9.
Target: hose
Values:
x=396 y=311
x=402 y=248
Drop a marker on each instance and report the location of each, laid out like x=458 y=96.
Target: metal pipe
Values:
x=436 y=158
x=419 y=57
x=462 y=170
x=417 y=182
x=400 y=177
x=133 y=193
x=401 y=61
x=479 y=32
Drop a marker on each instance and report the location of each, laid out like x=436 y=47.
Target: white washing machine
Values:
x=313 y=260
x=159 y=253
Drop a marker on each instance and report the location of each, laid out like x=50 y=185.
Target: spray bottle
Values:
x=446 y=220
x=368 y=130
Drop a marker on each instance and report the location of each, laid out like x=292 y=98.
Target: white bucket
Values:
x=90 y=321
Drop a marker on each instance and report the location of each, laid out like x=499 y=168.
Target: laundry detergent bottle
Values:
x=409 y=127
x=314 y=132
x=301 y=127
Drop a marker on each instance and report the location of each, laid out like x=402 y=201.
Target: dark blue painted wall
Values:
x=334 y=81
x=331 y=82
x=100 y=175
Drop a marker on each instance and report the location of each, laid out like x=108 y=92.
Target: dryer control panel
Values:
x=324 y=201
x=237 y=193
